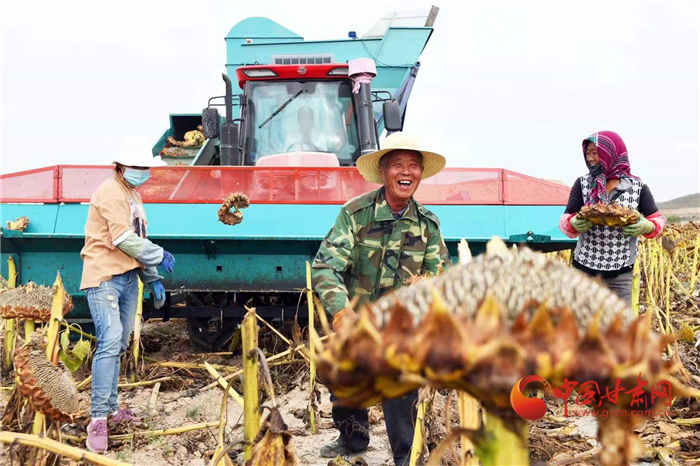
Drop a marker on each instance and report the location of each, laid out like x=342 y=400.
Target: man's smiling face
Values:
x=401 y=172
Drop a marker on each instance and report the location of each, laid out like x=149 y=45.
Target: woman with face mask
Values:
x=601 y=250
x=116 y=254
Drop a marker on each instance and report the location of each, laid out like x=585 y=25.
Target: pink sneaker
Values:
x=125 y=415
x=97 y=436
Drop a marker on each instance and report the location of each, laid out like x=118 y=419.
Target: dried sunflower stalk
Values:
x=236 y=201
x=30 y=301
x=482 y=326
x=612 y=215
x=50 y=388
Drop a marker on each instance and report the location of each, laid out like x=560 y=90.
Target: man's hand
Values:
x=642 y=227
x=158 y=294
x=168 y=262
x=581 y=225
x=341 y=316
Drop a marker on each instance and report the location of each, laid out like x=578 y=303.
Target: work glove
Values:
x=158 y=293
x=168 y=262
x=642 y=227
x=342 y=316
x=581 y=225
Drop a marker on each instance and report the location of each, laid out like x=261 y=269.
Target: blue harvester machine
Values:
x=293 y=129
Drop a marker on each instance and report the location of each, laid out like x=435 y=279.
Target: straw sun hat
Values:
x=368 y=164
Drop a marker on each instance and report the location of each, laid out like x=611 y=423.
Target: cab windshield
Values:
x=319 y=119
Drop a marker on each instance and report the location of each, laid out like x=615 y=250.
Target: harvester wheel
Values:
x=203 y=340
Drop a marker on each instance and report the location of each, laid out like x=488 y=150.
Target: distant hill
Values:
x=685 y=202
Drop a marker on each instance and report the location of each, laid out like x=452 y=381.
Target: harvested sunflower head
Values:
x=612 y=215
x=194 y=138
x=20 y=224
x=50 y=388
x=31 y=301
x=236 y=201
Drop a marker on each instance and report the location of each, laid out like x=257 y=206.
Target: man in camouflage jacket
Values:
x=379 y=240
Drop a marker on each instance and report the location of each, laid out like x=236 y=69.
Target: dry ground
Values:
x=181 y=402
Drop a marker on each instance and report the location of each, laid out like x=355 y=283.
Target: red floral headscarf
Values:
x=614 y=162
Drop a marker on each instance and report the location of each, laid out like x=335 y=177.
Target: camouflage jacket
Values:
x=368 y=251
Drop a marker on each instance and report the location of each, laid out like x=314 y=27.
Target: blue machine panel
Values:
x=289 y=221
x=265 y=253
x=42 y=217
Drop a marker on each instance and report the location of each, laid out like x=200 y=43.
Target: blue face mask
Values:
x=136 y=177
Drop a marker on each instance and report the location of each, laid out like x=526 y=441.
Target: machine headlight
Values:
x=260 y=73
x=343 y=71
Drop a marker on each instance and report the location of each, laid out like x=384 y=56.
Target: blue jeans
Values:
x=113 y=308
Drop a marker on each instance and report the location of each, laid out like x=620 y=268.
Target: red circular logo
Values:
x=531 y=409
x=302 y=70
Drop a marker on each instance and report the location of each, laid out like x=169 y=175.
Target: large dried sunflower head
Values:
x=236 y=201
x=31 y=301
x=20 y=224
x=484 y=325
x=612 y=215
x=50 y=388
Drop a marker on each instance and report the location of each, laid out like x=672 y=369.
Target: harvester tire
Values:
x=204 y=341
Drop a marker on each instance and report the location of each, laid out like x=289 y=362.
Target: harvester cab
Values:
x=295 y=103
x=300 y=114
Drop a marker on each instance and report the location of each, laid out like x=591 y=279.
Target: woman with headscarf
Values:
x=116 y=255
x=601 y=250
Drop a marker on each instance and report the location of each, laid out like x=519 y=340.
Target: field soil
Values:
x=182 y=401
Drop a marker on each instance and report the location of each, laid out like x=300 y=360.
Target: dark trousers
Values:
x=399 y=418
x=618 y=281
